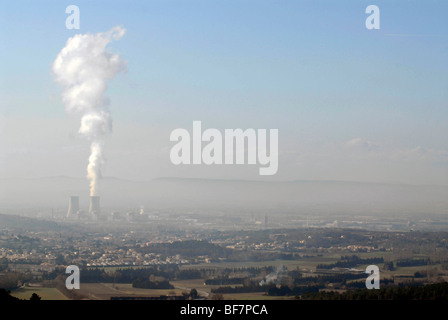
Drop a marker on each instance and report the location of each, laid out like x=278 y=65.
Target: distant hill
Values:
x=25 y=223
x=214 y=195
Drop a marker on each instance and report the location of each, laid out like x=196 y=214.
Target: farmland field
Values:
x=104 y=291
x=44 y=292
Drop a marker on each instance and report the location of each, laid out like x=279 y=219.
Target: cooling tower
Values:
x=94 y=205
x=73 y=206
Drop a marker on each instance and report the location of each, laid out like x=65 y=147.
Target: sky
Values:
x=350 y=104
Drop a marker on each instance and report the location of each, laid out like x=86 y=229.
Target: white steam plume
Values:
x=272 y=277
x=83 y=67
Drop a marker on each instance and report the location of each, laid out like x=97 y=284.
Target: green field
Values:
x=193 y=283
x=44 y=292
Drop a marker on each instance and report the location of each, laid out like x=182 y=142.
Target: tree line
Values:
x=438 y=291
x=169 y=272
x=350 y=262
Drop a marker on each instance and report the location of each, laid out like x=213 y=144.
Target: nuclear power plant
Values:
x=94 y=207
x=73 y=206
x=96 y=214
x=75 y=212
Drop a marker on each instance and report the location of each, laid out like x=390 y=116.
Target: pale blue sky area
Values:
x=309 y=68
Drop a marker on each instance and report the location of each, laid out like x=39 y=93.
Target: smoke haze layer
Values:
x=83 y=68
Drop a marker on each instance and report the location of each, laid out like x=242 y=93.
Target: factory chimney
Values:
x=94 y=205
x=73 y=206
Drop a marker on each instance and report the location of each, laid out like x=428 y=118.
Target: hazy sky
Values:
x=349 y=103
